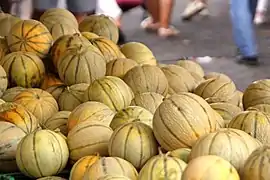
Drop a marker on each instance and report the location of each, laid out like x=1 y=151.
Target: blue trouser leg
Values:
x=242 y=13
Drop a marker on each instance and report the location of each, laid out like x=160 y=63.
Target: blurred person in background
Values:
x=80 y=8
x=242 y=15
x=160 y=21
x=261 y=10
x=5 y=6
x=194 y=8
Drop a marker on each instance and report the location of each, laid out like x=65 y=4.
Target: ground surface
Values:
x=203 y=37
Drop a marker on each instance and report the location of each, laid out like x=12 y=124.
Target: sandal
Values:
x=148 y=24
x=193 y=8
x=168 y=32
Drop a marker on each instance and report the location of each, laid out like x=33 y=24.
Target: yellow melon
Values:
x=20 y=116
x=191 y=66
x=119 y=67
x=10 y=93
x=217 y=75
x=134 y=142
x=261 y=107
x=181 y=153
x=162 y=166
x=56 y=90
x=42 y=153
x=90 y=111
x=226 y=110
x=179 y=79
x=39 y=102
x=58 y=121
x=210 y=168
x=111 y=91
x=30 y=36
x=147 y=78
x=257 y=92
x=72 y=96
x=216 y=89
x=255 y=123
x=139 y=53
x=239 y=145
x=59 y=29
x=182 y=119
x=131 y=114
x=89 y=35
x=4 y=50
x=113 y=177
x=81 y=167
x=148 y=100
x=257 y=165
x=107 y=47
x=88 y=138
x=10 y=138
x=81 y=64
x=111 y=166
x=6 y=23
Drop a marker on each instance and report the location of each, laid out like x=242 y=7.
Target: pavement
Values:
x=203 y=37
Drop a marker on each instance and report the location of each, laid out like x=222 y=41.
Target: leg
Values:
x=166 y=7
x=153 y=9
x=243 y=30
x=80 y=8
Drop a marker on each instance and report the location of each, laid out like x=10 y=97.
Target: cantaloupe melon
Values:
x=162 y=166
x=147 y=78
x=111 y=91
x=134 y=142
x=11 y=135
x=182 y=119
x=255 y=123
x=131 y=114
x=90 y=111
x=42 y=153
x=210 y=168
x=239 y=145
x=10 y=93
x=88 y=138
x=111 y=166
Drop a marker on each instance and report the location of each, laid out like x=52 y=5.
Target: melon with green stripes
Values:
x=239 y=145
x=4 y=50
x=147 y=78
x=119 y=67
x=88 y=138
x=57 y=122
x=10 y=93
x=56 y=90
x=54 y=16
x=182 y=119
x=162 y=166
x=108 y=48
x=101 y=25
x=110 y=90
x=148 y=100
x=72 y=96
x=81 y=167
x=255 y=123
x=65 y=42
x=30 y=36
x=6 y=24
x=257 y=165
x=111 y=166
x=42 y=153
x=60 y=29
x=18 y=65
x=131 y=114
x=81 y=64
x=134 y=142
x=18 y=115
x=51 y=178
x=3 y=80
x=11 y=135
x=90 y=111
x=39 y=102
